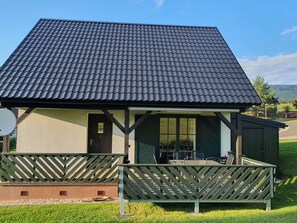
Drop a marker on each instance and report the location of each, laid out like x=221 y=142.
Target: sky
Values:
x=261 y=33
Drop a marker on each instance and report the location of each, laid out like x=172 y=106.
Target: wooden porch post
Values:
x=5 y=145
x=127 y=121
x=236 y=130
x=126 y=129
x=238 y=138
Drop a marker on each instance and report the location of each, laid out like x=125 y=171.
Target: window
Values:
x=177 y=137
x=168 y=135
x=100 y=127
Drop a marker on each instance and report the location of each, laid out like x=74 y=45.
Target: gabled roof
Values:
x=100 y=62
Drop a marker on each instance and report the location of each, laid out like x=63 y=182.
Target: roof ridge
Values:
x=126 y=23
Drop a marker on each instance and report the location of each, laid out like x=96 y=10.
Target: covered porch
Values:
x=146 y=134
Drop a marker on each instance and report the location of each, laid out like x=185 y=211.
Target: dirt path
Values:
x=289 y=133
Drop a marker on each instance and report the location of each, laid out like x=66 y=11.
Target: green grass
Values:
x=287 y=120
x=291 y=121
x=284 y=206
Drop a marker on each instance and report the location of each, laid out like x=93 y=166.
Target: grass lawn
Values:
x=287 y=120
x=284 y=206
x=291 y=121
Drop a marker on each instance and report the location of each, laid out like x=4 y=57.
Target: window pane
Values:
x=163 y=139
x=183 y=140
x=100 y=127
x=163 y=125
x=191 y=126
x=192 y=142
x=172 y=125
x=172 y=139
x=183 y=126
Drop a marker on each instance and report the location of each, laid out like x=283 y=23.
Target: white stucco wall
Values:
x=64 y=131
x=225 y=136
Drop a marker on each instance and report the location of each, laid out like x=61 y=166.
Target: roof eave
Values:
x=76 y=104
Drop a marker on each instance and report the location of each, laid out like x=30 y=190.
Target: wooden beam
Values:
x=139 y=121
x=238 y=139
x=127 y=121
x=227 y=123
x=5 y=144
x=24 y=115
x=113 y=120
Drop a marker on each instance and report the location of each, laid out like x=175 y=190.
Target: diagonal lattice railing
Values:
x=197 y=183
x=89 y=168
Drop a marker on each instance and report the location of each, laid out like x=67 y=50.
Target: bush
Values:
x=285 y=107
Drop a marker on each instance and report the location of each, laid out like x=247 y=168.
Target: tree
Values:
x=267 y=96
x=295 y=102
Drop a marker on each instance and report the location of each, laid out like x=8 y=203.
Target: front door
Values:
x=99 y=134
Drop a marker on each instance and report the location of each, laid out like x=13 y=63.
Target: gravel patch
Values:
x=289 y=132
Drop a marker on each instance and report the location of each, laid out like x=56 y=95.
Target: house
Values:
x=109 y=88
x=77 y=76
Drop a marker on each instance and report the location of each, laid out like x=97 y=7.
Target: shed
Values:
x=260 y=138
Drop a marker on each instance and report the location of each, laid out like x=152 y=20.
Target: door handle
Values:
x=91 y=142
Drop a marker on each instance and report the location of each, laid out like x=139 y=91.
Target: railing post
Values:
x=1 y=170
x=196 y=209
x=268 y=205
x=271 y=182
x=121 y=190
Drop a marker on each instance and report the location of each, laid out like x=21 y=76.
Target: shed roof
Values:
x=100 y=62
x=266 y=122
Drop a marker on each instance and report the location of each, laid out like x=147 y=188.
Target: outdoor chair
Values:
x=155 y=160
x=217 y=159
x=230 y=159
x=223 y=160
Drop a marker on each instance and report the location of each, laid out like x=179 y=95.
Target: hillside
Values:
x=285 y=92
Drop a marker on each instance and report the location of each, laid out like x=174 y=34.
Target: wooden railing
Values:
x=185 y=183
x=72 y=168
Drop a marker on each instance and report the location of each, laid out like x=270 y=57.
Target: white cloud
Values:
x=159 y=3
x=280 y=69
x=289 y=31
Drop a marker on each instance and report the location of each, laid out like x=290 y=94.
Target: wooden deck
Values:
x=251 y=182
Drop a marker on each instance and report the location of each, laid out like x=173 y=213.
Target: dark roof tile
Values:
x=95 y=61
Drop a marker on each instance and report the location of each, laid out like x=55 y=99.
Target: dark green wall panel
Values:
x=147 y=140
x=209 y=136
x=253 y=143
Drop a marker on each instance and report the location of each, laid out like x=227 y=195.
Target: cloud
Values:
x=159 y=3
x=289 y=31
x=280 y=69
